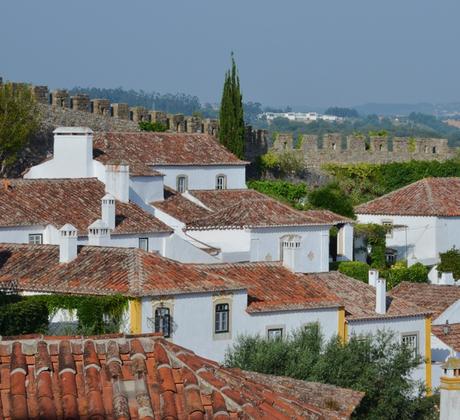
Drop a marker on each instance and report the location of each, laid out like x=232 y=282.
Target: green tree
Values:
x=450 y=262
x=332 y=197
x=19 y=119
x=152 y=126
x=231 y=131
x=378 y=365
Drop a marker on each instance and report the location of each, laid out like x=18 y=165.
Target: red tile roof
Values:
x=432 y=297
x=427 y=197
x=452 y=338
x=26 y=202
x=239 y=209
x=103 y=271
x=145 y=377
x=272 y=287
x=144 y=149
x=359 y=298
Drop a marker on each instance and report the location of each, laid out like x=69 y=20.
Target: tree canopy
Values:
x=231 y=131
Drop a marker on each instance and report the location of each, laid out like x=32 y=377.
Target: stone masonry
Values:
x=333 y=148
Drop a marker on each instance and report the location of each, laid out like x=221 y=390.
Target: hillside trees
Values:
x=231 y=132
x=19 y=119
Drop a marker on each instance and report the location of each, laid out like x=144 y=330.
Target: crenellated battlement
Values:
x=335 y=148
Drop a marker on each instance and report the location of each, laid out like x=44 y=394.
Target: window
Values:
x=433 y=149
x=35 y=238
x=182 y=183
x=144 y=243
x=275 y=333
x=389 y=226
x=163 y=321
x=221 y=182
x=411 y=341
x=222 y=318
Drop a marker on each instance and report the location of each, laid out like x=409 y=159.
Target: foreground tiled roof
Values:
x=432 y=297
x=359 y=298
x=238 y=209
x=102 y=271
x=452 y=338
x=144 y=149
x=26 y=202
x=427 y=197
x=272 y=287
x=142 y=377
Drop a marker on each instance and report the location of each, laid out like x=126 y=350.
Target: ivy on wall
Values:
x=374 y=237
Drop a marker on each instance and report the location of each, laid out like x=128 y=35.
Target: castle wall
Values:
x=316 y=152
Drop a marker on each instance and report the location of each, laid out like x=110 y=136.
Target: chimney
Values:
x=73 y=152
x=99 y=233
x=67 y=243
x=108 y=210
x=117 y=181
x=292 y=258
x=381 y=296
x=373 y=276
x=447 y=279
x=450 y=389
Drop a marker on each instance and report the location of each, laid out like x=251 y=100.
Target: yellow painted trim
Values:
x=135 y=316
x=428 y=353
x=451 y=384
x=342 y=326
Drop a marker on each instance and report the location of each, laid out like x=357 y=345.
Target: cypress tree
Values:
x=231 y=131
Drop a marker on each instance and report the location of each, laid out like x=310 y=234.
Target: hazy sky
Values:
x=298 y=52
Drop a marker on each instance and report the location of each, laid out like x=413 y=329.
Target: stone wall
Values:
x=334 y=148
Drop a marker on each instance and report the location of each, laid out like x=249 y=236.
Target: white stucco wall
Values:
x=398 y=326
x=193 y=322
x=179 y=249
x=227 y=240
x=451 y=314
x=447 y=233
x=20 y=234
x=146 y=189
x=417 y=242
x=204 y=177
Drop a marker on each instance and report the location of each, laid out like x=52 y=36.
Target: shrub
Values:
x=416 y=273
x=23 y=317
x=356 y=269
x=332 y=197
x=152 y=126
x=450 y=262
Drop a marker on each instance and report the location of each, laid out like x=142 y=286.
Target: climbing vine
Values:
x=374 y=237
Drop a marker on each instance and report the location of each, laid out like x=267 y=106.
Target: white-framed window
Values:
x=144 y=243
x=221 y=182
x=35 y=238
x=274 y=333
x=411 y=341
x=388 y=224
x=182 y=183
x=222 y=318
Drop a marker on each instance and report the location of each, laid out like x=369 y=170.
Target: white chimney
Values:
x=67 y=243
x=292 y=254
x=99 y=233
x=381 y=296
x=447 y=279
x=108 y=210
x=450 y=390
x=373 y=276
x=73 y=152
x=117 y=181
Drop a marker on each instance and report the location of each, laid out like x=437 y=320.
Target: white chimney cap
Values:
x=73 y=130
x=68 y=227
x=98 y=224
x=108 y=196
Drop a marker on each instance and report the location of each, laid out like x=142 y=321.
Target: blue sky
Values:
x=320 y=53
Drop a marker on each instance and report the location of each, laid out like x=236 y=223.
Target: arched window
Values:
x=221 y=182
x=181 y=183
x=163 y=321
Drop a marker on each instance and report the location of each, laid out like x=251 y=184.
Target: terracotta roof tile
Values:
x=144 y=150
x=246 y=208
x=272 y=287
x=452 y=338
x=434 y=298
x=88 y=392
x=427 y=197
x=103 y=271
x=26 y=202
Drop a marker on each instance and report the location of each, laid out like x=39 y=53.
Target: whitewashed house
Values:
x=443 y=301
x=423 y=219
x=207 y=306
